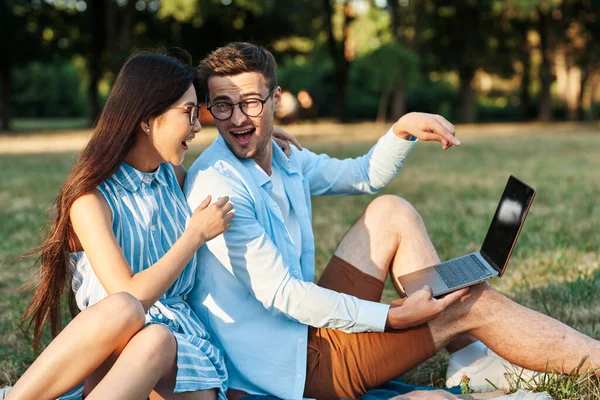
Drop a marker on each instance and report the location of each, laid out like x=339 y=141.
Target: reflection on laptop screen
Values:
x=507 y=222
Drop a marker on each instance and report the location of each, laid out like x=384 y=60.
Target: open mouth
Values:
x=185 y=143
x=243 y=136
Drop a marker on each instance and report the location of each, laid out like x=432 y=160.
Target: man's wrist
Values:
x=394 y=317
x=400 y=132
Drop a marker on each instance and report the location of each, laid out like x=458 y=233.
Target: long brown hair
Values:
x=147 y=85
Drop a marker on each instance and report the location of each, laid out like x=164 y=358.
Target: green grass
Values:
x=555 y=268
x=48 y=124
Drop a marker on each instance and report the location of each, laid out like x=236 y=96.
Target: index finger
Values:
x=449 y=125
x=284 y=145
x=222 y=201
x=287 y=136
x=295 y=142
x=436 y=127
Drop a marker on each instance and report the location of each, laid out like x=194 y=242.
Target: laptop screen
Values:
x=506 y=225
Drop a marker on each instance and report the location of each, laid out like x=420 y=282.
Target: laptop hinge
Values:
x=490 y=261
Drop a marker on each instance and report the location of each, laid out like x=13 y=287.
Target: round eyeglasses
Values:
x=252 y=107
x=193 y=110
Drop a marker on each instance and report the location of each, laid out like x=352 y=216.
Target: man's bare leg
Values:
x=520 y=335
x=391 y=235
x=390 y=238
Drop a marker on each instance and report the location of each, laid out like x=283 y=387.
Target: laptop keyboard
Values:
x=462 y=270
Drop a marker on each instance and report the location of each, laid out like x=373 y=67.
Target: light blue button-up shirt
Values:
x=255 y=296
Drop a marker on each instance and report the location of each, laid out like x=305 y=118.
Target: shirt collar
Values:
x=256 y=172
x=282 y=160
x=131 y=179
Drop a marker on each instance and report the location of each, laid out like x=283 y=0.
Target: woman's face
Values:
x=171 y=132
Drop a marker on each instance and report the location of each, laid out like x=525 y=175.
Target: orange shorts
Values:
x=345 y=365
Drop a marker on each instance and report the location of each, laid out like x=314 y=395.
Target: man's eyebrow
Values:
x=244 y=96
x=222 y=97
x=255 y=94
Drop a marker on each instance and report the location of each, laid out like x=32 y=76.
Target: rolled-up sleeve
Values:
x=365 y=174
x=251 y=256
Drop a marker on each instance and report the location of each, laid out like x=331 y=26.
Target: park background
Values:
x=520 y=78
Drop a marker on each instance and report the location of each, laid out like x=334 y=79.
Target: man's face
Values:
x=247 y=137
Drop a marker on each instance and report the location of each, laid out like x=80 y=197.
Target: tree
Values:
x=338 y=50
x=583 y=49
x=398 y=84
x=464 y=37
x=381 y=67
x=17 y=45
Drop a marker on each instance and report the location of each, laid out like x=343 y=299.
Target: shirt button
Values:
x=299 y=377
x=295 y=273
x=301 y=341
x=152 y=228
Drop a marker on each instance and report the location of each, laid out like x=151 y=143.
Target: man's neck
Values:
x=264 y=159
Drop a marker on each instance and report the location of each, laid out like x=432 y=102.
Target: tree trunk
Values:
x=395 y=19
x=110 y=29
x=341 y=65
x=593 y=83
x=5 y=95
x=419 y=13
x=384 y=102
x=525 y=99
x=583 y=83
x=546 y=76
x=97 y=14
x=398 y=100
x=126 y=31
x=468 y=105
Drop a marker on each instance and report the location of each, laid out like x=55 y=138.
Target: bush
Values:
x=47 y=90
x=314 y=77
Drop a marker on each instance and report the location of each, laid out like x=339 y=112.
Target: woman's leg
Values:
x=149 y=361
x=164 y=390
x=81 y=347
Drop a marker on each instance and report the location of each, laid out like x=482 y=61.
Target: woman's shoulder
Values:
x=92 y=202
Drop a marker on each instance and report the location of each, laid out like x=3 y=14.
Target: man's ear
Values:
x=276 y=98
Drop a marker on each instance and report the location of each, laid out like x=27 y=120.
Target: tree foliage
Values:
x=346 y=47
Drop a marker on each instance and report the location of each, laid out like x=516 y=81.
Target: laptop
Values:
x=492 y=259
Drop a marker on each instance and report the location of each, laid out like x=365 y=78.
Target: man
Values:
x=282 y=334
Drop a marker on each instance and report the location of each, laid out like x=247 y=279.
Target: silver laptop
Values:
x=492 y=259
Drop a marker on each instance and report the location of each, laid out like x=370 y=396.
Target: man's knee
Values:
x=471 y=310
x=393 y=208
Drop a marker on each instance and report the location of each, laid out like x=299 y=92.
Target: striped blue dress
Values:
x=149 y=214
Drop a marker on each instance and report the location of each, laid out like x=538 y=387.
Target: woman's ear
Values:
x=145 y=125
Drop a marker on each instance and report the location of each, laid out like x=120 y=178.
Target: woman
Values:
x=124 y=228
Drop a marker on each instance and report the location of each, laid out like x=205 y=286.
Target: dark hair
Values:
x=236 y=58
x=147 y=85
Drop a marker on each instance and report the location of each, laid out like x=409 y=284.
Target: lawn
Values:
x=48 y=124
x=555 y=268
